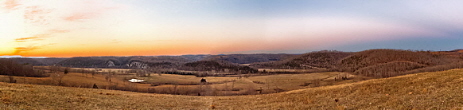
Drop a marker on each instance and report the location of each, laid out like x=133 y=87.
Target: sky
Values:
x=68 y=28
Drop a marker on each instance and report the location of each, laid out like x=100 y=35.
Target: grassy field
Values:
x=268 y=83
x=189 y=84
x=73 y=80
x=432 y=90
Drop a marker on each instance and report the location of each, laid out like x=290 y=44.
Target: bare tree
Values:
x=58 y=76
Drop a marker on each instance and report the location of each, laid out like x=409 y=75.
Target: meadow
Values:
x=428 y=90
x=117 y=79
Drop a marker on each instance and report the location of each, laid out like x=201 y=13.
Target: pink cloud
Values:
x=49 y=17
x=37 y=15
x=36 y=37
x=11 y=4
x=53 y=31
x=92 y=10
x=78 y=16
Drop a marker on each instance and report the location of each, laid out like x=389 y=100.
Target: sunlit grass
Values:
x=432 y=90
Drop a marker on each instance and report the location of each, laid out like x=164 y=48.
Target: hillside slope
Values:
x=112 y=61
x=382 y=63
x=217 y=66
x=38 y=61
x=313 y=60
x=125 y=62
x=248 y=58
x=432 y=90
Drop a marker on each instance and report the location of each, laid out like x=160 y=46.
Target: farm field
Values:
x=191 y=85
x=429 y=90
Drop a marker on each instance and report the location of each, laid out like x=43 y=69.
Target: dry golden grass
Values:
x=71 y=79
x=243 y=86
x=183 y=79
x=434 y=90
x=190 y=85
x=24 y=96
x=437 y=90
x=288 y=82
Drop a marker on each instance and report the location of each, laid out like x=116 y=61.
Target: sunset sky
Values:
x=66 y=28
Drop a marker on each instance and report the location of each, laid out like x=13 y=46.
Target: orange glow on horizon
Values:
x=117 y=50
x=63 y=28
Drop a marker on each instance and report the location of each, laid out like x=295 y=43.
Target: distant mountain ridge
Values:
x=373 y=63
x=248 y=58
x=38 y=61
x=149 y=61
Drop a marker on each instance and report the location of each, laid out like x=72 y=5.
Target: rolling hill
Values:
x=217 y=66
x=312 y=60
x=248 y=58
x=372 y=63
x=123 y=62
x=111 y=61
x=377 y=63
x=38 y=61
x=388 y=62
x=430 y=90
x=152 y=61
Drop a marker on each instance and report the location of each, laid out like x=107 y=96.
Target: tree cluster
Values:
x=11 y=68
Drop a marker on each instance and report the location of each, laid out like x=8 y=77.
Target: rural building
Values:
x=136 y=80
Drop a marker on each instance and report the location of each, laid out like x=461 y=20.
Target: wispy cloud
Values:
x=37 y=15
x=11 y=5
x=38 y=21
x=93 y=9
x=19 y=50
x=55 y=31
x=28 y=38
x=42 y=36
x=79 y=16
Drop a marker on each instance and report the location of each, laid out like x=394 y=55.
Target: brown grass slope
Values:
x=319 y=59
x=389 y=62
x=432 y=90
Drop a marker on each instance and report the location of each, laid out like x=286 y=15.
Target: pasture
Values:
x=117 y=79
x=429 y=90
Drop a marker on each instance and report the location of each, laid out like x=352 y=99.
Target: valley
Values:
x=376 y=79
